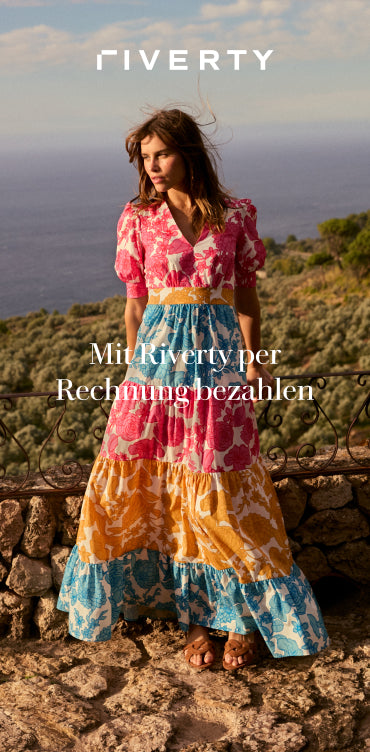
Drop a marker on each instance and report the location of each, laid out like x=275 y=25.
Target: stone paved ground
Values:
x=135 y=694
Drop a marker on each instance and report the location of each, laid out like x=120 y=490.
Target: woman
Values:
x=180 y=515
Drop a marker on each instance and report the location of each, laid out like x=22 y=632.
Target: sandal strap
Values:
x=198 y=647
x=237 y=648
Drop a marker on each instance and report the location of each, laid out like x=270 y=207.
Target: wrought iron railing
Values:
x=343 y=451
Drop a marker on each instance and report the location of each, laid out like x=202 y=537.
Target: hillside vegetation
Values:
x=315 y=309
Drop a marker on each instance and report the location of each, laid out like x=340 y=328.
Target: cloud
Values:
x=44 y=3
x=244 y=7
x=313 y=30
x=25 y=3
x=30 y=48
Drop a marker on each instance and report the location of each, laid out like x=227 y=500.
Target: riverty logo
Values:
x=178 y=59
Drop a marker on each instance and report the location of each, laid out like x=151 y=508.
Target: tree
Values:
x=358 y=254
x=271 y=246
x=338 y=233
x=319 y=259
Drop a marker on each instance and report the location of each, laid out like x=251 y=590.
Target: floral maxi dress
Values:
x=180 y=515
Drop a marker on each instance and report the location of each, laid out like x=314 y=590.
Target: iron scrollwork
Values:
x=303 y=460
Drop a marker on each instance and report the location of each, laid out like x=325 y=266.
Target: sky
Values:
x=316 y=78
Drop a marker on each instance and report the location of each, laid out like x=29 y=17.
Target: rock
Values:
x=11 y=526
x=53 y=624
x=358 y=480
x=86 y=681
x=292 y=499
x=40 y=528
x=3 y=572
x=340 y=685
x=147 y=690
x=69 y=519
x=49 y=711
x=223 y=745
x=289 y=697
x=330 y=492
x=223 y=693
x=122 y=655
x=262 y=731
x=364 y=730
x=15 y=611
x=14 y=738
x=131 y=733
x=330 y=730
x=29 y=577
x=363 y=498
x=333 y=526
x=313 y=563
x=59 y=556
x=294 y=546
x=353 y=560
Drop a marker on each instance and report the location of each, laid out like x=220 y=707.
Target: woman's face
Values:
x=164 y=165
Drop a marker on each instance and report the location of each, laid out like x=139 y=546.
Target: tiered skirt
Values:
x=180 y=516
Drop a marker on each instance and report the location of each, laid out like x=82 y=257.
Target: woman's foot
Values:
x=235 y=656
x=196 y=638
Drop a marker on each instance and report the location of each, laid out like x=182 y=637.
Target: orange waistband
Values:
x=197 y=295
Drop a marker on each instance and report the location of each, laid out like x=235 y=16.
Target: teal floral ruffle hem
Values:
x=283 y=609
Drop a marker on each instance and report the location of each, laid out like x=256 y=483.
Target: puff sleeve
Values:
x=250 y=251
x=130 y=258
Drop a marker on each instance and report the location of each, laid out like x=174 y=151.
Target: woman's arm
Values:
x=248 y=309
x=134 y=310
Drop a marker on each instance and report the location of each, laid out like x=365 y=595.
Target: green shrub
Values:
x=320 y=258
x=289 y=265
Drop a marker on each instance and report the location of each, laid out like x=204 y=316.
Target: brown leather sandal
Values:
x=236 y=648
x=200 y=646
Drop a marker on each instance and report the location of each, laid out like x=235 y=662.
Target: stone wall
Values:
x=327 y=519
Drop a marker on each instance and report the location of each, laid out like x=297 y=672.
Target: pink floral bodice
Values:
x=153 y=253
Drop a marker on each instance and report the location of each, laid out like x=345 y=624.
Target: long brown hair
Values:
x=181 y=131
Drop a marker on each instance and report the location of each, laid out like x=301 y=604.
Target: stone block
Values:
x=333 y=526
x=15 y=612
x=352 y=559
x=313 y=563
x=292 y=499
x=69 y=518
x=330 y=492
x=39 y=529
x=11 y=526
x=3 y=572
x=295 y=547
x=29 y=577
x=363 y=497
x=52 y=623
x=59 y=556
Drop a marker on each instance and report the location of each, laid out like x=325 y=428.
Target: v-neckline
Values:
x=205 y=228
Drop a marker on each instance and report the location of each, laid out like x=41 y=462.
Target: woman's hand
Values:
x=255 y=372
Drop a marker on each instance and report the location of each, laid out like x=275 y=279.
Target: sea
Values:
x=59 y=209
